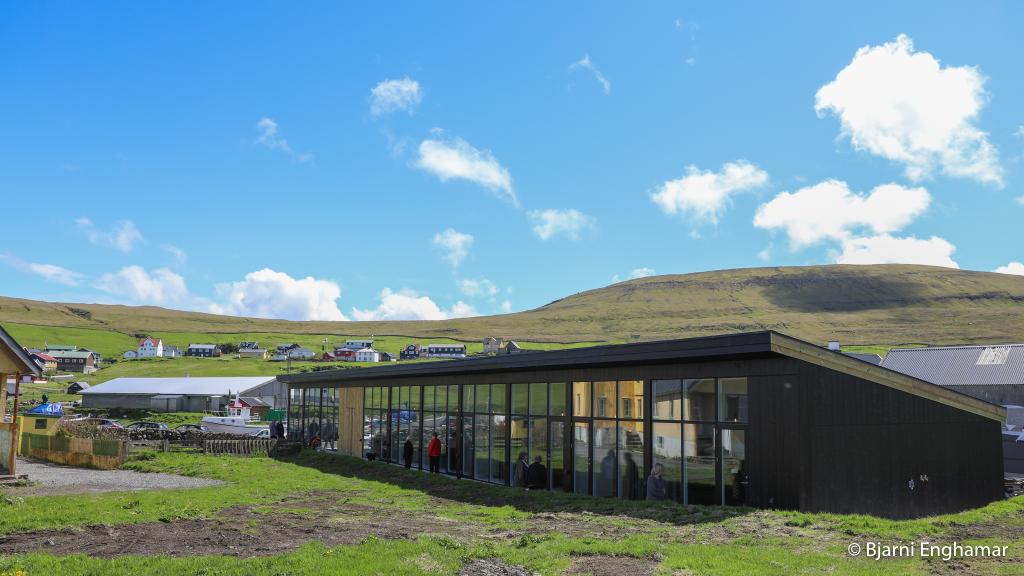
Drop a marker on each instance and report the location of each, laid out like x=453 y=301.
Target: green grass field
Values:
x=438 y=524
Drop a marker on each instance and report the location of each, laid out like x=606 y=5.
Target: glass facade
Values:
x=591 y=437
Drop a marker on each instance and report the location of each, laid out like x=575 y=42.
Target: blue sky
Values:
x=329 y=161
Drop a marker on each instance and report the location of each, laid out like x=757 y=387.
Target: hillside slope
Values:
x=881 y=304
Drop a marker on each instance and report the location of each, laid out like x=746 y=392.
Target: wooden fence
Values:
x=241 y=447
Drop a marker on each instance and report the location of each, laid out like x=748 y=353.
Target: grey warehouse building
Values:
x=182 y=394
x=755 y=419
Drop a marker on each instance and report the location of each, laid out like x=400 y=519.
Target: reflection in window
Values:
x=499 y=471
x=581 y=458
x=699 y=399
x=732 y=403
x=699 y=458
x=734 y=468
x=605 y=459
x=482 y=393
x=520 y=398
x=557 y=395
x=580 y=398
x=631 y=399
x=604 y=399
x=668 y=451
x=497 y=399
x=557 y=467
x=631 y=461
x=539 y=399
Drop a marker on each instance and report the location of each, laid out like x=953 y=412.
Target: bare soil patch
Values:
x=492 y=567
x=597 y=565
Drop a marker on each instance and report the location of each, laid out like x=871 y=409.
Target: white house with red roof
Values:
x=150 y=348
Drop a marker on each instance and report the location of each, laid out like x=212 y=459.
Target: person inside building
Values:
x=537 y=475
x=434 y=453
x=656 y=484
x=519 y=470
x=407 y=451
x=631 y=489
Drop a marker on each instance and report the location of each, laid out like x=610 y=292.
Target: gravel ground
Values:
x=47 y=478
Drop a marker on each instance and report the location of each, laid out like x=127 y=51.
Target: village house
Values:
x=172 y=351
x=130 y=355
x=47 y=363
x=444 y=351
x=251 y=350
x=150 y=348
x=344 y=354
x=367 y=355
x=357 y=344
x=492 y=345
x=202 y=350
x=410 y=352
x=75 y=361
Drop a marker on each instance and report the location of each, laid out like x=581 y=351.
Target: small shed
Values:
x=77 y=387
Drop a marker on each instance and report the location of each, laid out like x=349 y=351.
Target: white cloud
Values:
x=703 y=195
x=1015 y=268
x=477 y=287
x=1020 y=131
x=457 y=159
x=456 y=244
x=829 y=210
x=586 y=64
x=392 y=95
x=551 y=222
x=51 y=272
x=124 y=236
x=267 y=293
x=886 y=249
x=269 y=138
x=506 y=306
x=160 y=287
x=408 y=305
x=905 y=106
x=635 y=273
x=179 y=255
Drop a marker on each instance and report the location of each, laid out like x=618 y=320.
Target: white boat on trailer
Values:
x=237 y=419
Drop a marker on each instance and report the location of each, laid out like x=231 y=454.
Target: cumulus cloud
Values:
x=393 y=95
x=887 y=249
x=269 y=138
x=477 y=287
x=552 y=222
x=455 y=244
x=457 y=160
x=160 y=287
x=123 y=236
x=635 y=273
x=51 y=272
x=585 y=64
x=1015 y=268
x=506 y=306
x=406 y=304
x=905 y=106
x=829 y=210
x=267 y=293
x=704 y=195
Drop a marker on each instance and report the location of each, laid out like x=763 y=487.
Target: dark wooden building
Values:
x=756 y=419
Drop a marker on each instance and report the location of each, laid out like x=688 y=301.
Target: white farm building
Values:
x=183 y=394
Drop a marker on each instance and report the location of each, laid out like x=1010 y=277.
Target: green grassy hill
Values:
x=876 y=305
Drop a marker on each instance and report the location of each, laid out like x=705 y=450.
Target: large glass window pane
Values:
x=393 y=392
x=604 y=399
x=428 y=399
x=557 y=467
x=631 y=399
x=482 y=393
x=368 y=397
x=668 y=452
x=699 y=468
x=631 y=461
x=467 y=397
x=580 y=398
x=414 y=398
x=538 y=440
x=539 y=399
x=699 y=399
x=581 y=458
x=732 y=405
x=557 y=396
x=604 y=458
x=519 y=441
x=734 y=468
x=450 y=445
x=432 y=422
x=453 y=398
x=481 y=454
x=520 y=398
x=499 y=470
x=668 y=400
x=497 y=399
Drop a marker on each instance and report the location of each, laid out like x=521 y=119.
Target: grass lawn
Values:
x=322 y=514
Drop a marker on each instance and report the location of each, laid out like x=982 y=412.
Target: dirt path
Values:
x=49 y=479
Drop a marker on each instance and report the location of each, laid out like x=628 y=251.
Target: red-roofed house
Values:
x=46 y=362
x=151 y=348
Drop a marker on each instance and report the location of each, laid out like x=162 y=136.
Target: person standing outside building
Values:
x=434 y=453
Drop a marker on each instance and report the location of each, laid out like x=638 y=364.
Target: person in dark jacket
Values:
x=537 y=475
x=631 y=489
x=519 y=470
x=656 y=484
x=407 y=450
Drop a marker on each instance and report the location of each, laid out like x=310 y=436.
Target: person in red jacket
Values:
x=434 y=452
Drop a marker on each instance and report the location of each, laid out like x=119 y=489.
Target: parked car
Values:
x=191 y=428
x=100 y=422
x=147 y=426
x=261 y=433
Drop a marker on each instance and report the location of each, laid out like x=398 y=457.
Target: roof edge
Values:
x=19 y=353
x=801 y=350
